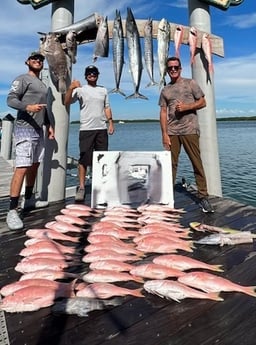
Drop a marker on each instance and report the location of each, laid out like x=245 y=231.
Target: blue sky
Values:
x=234 y=75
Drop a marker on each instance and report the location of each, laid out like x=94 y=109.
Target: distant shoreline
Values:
x=251 y=118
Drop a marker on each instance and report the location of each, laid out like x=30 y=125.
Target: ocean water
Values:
x=236 y=142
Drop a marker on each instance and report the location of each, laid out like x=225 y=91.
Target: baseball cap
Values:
x=90 y=69
x=36 y=54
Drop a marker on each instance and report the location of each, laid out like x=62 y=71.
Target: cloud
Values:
x=242 y=21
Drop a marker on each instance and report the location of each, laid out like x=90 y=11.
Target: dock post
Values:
x=200 y=18
x=55 y=163
x=6 y=141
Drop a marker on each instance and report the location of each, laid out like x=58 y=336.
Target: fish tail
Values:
x=117 y=90
x=249 y=290
x=136 y=95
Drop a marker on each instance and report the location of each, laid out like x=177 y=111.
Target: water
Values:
x=236 y=141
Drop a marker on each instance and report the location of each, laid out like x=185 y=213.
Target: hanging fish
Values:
x=51 y=48
x=101 y=47
x=148 y=50
x=207 y=49
x=118 y=51
x=192 y=41
x=134 y=52
x=71 y=45
x=178 y=37
x=163 y=40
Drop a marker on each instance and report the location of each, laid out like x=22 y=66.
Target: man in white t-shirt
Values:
x=95 y=111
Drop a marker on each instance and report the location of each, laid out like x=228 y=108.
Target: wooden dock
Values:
x=150 y=320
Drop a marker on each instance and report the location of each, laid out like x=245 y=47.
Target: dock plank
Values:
x=151 y=320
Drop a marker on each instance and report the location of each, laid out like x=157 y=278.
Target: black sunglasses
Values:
x=175 y=68
x=41 y=59
x=92 y=73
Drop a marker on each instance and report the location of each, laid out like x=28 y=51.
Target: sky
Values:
x=234 y=74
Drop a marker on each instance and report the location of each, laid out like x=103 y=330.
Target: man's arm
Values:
x=68 y=95
x=108 y=113
x=164 y=128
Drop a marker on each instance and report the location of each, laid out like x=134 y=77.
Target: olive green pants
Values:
x=190 y=143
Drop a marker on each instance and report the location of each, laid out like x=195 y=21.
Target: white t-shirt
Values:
x=93 y=101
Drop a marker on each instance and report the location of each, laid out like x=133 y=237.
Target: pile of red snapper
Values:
x=119 y=240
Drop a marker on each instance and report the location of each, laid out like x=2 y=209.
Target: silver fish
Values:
x=163 y=41
x=82 y=25
x=71 y=45
x=101 y=46
x=118 y=51
x=51 y=48
x=134 y=52
x=148 y=50
x=81 y=306
x=228 y=239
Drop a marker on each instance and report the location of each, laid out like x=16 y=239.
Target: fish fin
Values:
x=214 y=296
x=138 y=293
x=136 y=95
x=218 y=268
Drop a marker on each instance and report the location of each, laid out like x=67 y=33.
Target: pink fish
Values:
x=32 y=265
x=105 y=225
x=178 y=38
x=32 y=298
x=151 y=218
x=105 y=254
x=161 y=236
x=184 y=263
x=175 y=290
x=212 y=283
x=107 y=290
x=106 y=276
x=63 y=227
x=115 y=247
x=155 y=271
x=119 y=233
x=50 y=233
x=70 y=219
x=75 y=212
x=15 y=286
x=50 y=274
x=162 y=231
x=113 y=265
x=98 y=238
x=45 y=246
x=163 y=245
x=192 y=41
x=58 y=256
x=207 y=49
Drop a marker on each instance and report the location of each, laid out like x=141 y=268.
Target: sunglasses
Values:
x=39 y=58
x=175 y=68
x=92 y=73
